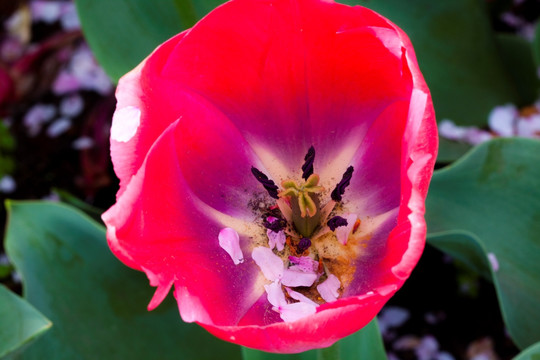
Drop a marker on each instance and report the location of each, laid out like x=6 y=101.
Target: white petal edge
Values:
x=125 y=123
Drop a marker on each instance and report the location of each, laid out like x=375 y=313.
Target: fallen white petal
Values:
x=328 y=289
x=305 y=263
x=293 y=312
x=125 y=123
x=275 y=295
x=297 y=296
x=271 y=265
x=230 y=242
x=276 y=239
x=296 y=277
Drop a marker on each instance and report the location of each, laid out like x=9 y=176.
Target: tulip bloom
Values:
x=273 y=162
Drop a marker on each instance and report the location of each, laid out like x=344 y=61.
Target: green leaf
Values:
x=536 y=45
x=531 y=353
x=364 y=344
x=487 y=206
x=121 y=33
x=21 y=322
x=97 y=304
x=518 y=58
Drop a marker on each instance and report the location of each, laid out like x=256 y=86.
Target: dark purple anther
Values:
x=276 y=225
x=336 y=222
x=340 y=188
x=268 y=184
x=303 y=245
x=307 y=168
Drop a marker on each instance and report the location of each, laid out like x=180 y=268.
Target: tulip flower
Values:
x=274 y=161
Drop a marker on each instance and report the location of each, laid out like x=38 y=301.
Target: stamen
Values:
x=303 y=245
x=307 y=168
x=274 y=224
x=336 y=222
x=340 y=188
x=268 y=184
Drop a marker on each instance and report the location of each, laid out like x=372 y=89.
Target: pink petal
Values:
x=276 y=240
x=328 y=289
x=270 y=264
x=177 y=240
x=230 y=242
x=322 y=73
x=297 y=277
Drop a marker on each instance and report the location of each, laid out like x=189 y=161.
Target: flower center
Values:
x=307 y=258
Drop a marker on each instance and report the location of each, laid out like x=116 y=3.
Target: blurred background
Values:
x=56 y=104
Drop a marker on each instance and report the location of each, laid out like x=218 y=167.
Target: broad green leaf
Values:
x=364 y=344
x=450 y=151
x=487 y=205
x=531 y=353
x=122 y=33
x=536 y=45
x=97 y=305
x=518 y=58
x=21 y=322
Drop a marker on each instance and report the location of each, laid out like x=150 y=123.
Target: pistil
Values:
x=305 y=204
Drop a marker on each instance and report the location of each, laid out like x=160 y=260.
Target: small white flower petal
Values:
x=271 y=265
x=276 y=239
x=293 y=312
x=296 y=277
x=297 y=296
x=275 y=294
x=328 y=289
x=125 y=123
x=304 y=263
x=230 y=242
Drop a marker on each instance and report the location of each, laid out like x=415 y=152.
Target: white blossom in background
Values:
x=392 y=317
x=83 y=143
x=82 y=73
x=503 y=121
x=52 y=11
x=7 y=184
x=37 y=116
x=72 y=105
x=58 y=127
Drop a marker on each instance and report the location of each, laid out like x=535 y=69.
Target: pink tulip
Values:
x=276 y=116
